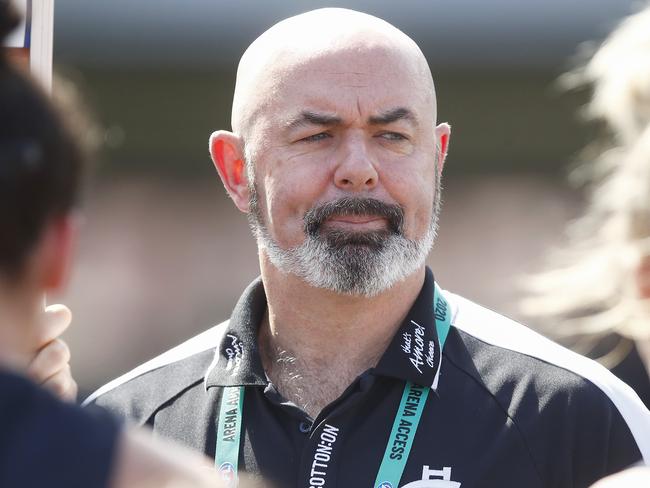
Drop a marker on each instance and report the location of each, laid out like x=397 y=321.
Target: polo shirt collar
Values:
x=237 y=360
x=414 y=352
x=412 y=355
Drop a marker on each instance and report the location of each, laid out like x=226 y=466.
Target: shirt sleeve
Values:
x=45 y=442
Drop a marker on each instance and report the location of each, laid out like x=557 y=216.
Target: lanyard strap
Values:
x=410 y=409
x=401 y=436
x=405 y=425
x=226 y=458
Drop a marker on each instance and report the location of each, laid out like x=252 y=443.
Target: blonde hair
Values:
x=591 y=285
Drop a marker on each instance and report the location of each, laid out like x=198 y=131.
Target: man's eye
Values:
x=393 y=136
x=316 y=137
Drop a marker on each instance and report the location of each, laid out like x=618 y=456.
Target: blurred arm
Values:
x=144 y=462
x=630 y=478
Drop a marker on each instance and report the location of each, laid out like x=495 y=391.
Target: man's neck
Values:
x=315 y=342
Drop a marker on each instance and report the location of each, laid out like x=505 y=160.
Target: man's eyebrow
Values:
x=313 y=118
x=393 y=115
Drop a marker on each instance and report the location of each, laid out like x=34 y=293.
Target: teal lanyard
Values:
x=405 y=425
x=410 y=409
x=226 y=457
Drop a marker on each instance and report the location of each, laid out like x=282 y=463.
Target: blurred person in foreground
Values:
x=43 y=441
x=331 y=370
x=638 y=477
x=596 y=296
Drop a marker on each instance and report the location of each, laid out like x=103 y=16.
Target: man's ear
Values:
x=442 y=134
x=227 y=154
x=52 y=256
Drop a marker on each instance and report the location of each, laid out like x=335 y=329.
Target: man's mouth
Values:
x=356 y=216
x=356 y=223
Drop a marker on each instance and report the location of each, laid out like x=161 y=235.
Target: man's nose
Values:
x=355 y=170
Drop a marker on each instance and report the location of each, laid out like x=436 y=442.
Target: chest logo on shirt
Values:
x=433 y=478
x=323 y=456
x=420 y=352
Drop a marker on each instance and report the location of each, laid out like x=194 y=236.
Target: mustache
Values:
x=316 y=216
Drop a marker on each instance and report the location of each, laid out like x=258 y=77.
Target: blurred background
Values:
x=164 y=254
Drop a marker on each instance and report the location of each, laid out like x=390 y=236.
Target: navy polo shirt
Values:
x=507 y=408
x=47 y=443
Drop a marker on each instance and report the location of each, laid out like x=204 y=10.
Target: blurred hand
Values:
x=49 y=365
x=630 y=478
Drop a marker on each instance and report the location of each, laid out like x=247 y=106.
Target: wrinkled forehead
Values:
x=360 y=68
x=367 y=72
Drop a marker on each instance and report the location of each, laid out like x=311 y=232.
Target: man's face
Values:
x=342 y=159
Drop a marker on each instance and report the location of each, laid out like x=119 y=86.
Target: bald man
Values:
x=345 y=364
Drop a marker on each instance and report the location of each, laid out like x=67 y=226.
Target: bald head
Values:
x=332 y=40
x=334 y=106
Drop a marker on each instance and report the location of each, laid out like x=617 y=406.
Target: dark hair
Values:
x=9 y=18
x=40 y=160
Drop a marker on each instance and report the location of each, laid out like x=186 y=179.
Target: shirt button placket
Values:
x=305 y=427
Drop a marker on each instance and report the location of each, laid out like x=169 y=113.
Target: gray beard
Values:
x=332 y=260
